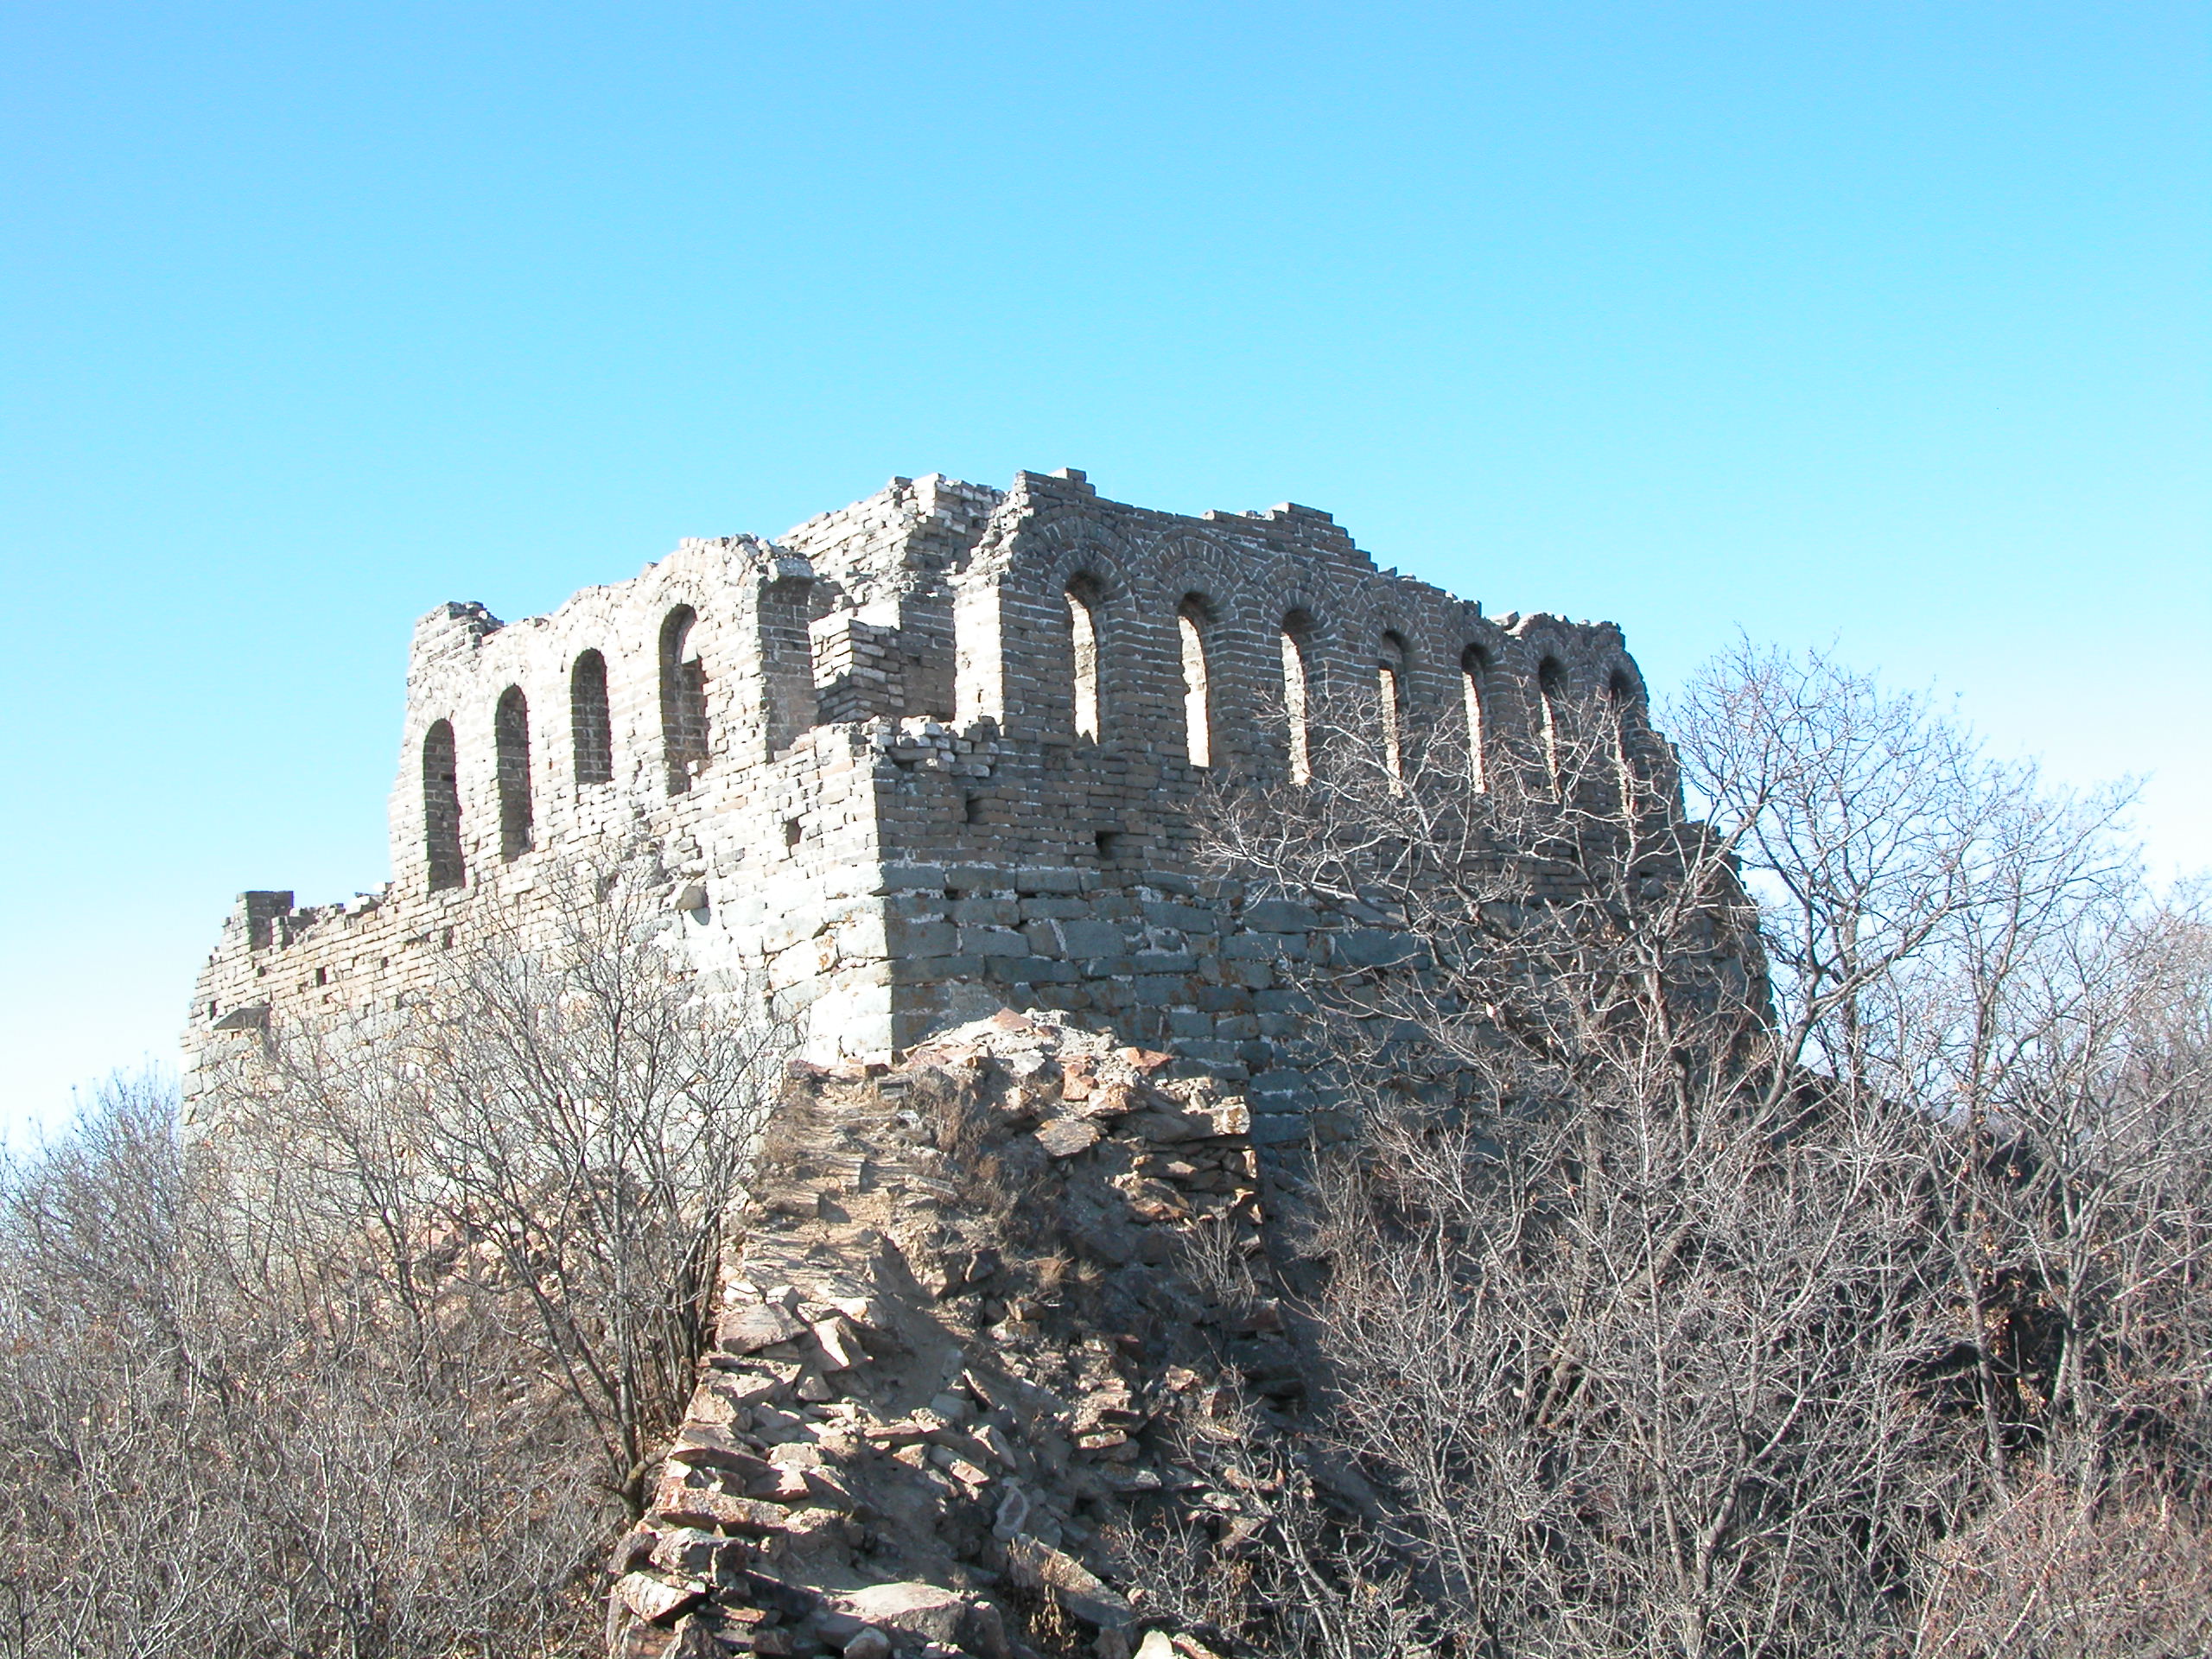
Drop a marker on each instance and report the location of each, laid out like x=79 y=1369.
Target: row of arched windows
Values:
x=591 y=736
x=1193 y=622
x=686 y=745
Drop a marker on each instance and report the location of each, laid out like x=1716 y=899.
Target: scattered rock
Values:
x=746 y=1330
x=698 y=1506
x=953 y=1408
x=654 y=1600
x=735 y=1461
x=861 y=1310
x=928 y=1611
x=1036 y=1566
x=1063 y=1137
x=1044 y=1338
x=760 y=1382
x=840 y=1344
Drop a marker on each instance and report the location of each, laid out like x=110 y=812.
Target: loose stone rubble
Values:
x=952 y=1346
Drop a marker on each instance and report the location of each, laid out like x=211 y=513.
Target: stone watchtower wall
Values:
x=931 y=754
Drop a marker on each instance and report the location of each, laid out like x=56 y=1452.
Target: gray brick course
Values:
x=876 y=799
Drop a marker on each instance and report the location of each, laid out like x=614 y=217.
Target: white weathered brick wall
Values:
x=897 y=826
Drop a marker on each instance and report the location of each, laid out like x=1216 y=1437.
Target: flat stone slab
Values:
x=1063 y=1137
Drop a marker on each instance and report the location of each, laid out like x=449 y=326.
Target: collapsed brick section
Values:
x=928 y=755
x=954 y=1351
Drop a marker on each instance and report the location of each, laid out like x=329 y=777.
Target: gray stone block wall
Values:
x=895 y=823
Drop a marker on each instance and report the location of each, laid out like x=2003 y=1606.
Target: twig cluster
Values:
x=1776 y=1227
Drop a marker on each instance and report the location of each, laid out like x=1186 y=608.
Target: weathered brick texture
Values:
x=858 y=747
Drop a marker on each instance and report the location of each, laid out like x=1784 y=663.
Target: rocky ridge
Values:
x=981 y=1301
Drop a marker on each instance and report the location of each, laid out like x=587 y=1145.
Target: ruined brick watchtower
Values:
x=923 y=757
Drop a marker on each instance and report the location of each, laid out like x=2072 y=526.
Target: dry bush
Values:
x=2051 y=1575
x=1219 y=1257
x=194 y=1461
x=965 y=1126
x=551 y=1139
x=374 y=1363
x=1275 y=1568
x=1747 y=1206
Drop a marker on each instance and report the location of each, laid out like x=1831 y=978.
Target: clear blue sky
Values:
x=1881 y=325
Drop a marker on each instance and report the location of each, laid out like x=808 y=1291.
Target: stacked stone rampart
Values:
x=929 y=755
x=961 y=1348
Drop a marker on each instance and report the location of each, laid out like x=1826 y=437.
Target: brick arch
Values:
x=682 y=679
x=1099 y=563
x=719 y=640
x=1084 y=598
x=1615 y=670
x=1487 y=717
x=442 y=858
x=591 y=727
x=1280 y=600
x=1182 y=563
x=1393 y=666
x=1290 y=595
x=1295 y=632
x=511 y=743
x=1512 y=713
x=1243 y=657
x=1355 y=645
x=1559 y=691
x=1074 y=545
x=1197 y=630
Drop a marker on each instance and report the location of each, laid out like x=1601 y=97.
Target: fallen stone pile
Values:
x=977 y=1295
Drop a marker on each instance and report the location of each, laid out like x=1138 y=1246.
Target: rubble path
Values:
x=951 y=1349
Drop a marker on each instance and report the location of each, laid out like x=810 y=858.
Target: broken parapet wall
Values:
x=980 y=1301
x=935 y=753
x=1080 y=622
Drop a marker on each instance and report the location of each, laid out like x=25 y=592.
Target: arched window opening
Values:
x=589 y=727
x=1391 y=687
x=1551 y=693
x=1083 y=630
x=442 y=808
x=1191 y=621
x=1297 y=629
x=683 y=699
x=1474 y=677
x=510 y=737
x=1620 y=730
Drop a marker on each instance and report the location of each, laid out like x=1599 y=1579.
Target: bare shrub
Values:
x=372 y=1364
x=1745 y=1207
x=191 y=1463
x=1273 y=1570
x=2050 y=1575
x=1218 y=1258
x=551 y=1138
x=963 y=1128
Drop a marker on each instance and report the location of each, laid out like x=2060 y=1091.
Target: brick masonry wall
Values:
x=895 y=824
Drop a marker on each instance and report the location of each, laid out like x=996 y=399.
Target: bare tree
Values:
x=558 y=1128
x=2048 y=1028
x=193 y=1462
x=371 y=1364
x=1743 y=1191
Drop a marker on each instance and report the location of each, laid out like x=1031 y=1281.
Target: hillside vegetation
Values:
x=1780 y=1227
